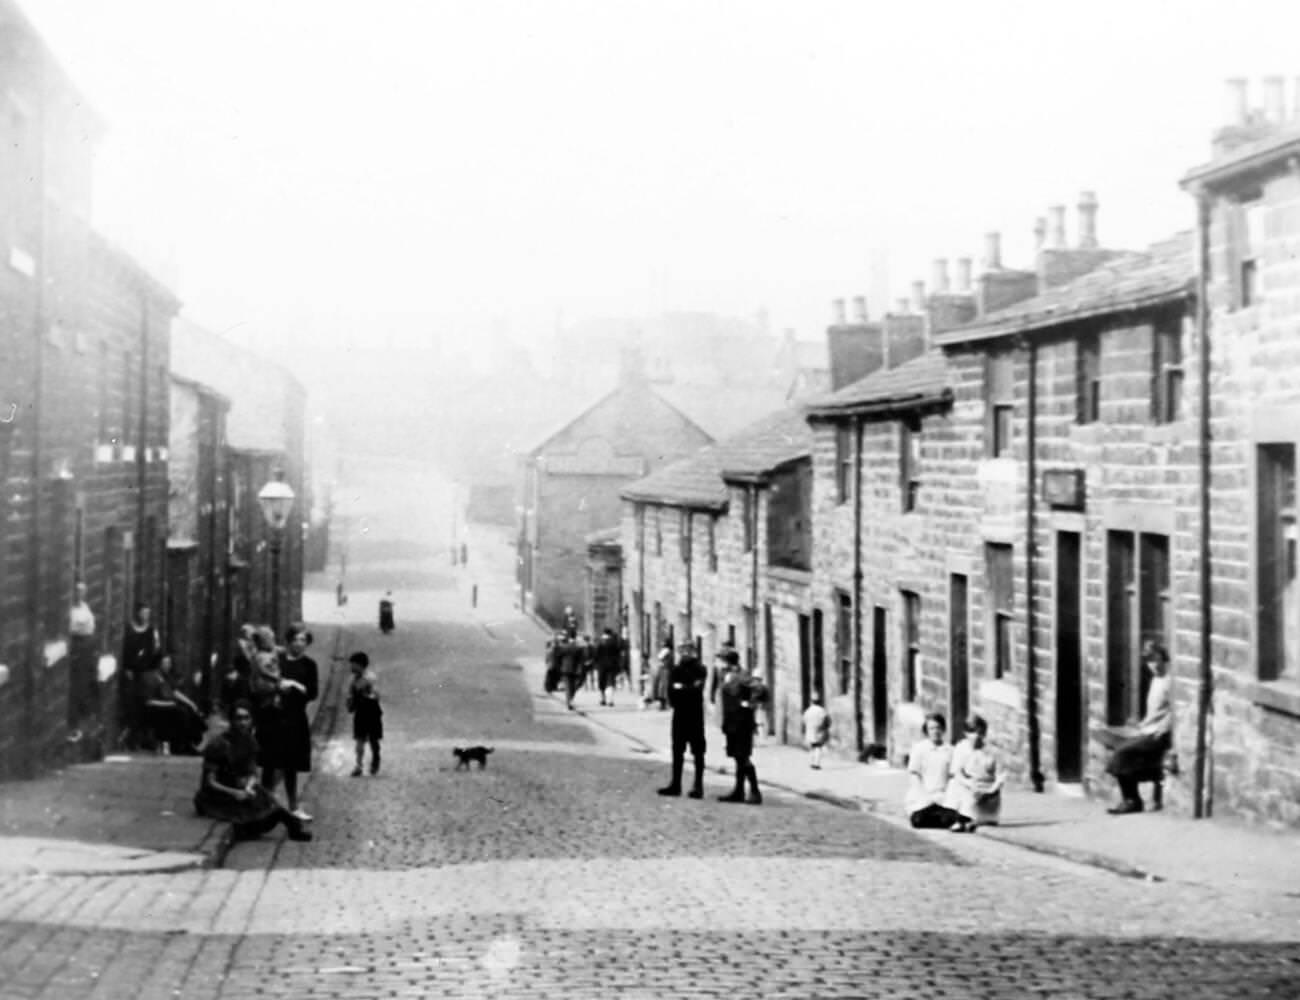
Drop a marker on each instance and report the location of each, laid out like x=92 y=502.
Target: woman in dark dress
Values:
x=229 y=790
x=298 y=687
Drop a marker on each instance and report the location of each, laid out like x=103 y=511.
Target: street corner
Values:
x=42 y=856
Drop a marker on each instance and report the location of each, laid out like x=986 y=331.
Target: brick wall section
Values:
x=1255 y=360
x=579 y=472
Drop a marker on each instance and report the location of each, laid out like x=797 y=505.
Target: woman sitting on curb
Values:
x=1141 y=757
x=929 y=767
x=975 y=792
x=229 y=789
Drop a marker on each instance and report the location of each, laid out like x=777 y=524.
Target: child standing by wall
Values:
x=816 y=730
x=367 y=715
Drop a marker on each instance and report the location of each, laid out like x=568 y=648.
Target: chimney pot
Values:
x=860 y=308
x=837 y=307
x=1040 y=233
x=1237 y=110
x=1056 y=226
x=1087 y=220
x=939 y=278
x=992 y=251
x=918 y=296
x=963 y=274
x=1275 y=98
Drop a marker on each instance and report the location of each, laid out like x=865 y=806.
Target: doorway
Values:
x=958 y=649
x=1069 y=662
x=805 y=661
x=880 y=677
x=819 y=656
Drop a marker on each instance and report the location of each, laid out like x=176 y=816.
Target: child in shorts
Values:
x=367 y=715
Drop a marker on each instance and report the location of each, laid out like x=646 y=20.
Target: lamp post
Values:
x=276 y=500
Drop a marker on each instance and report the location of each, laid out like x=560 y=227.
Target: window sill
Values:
x=1000 y=692
x=1279 y=696
x=802 y=577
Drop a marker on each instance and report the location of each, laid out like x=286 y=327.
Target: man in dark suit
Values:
x=686 y=695
x=742 y=693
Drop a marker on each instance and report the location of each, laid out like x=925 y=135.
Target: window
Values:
x=999 y=403
x=1166 y=369
x=1087 y=379
x=684 y=535
x=1278 y=606
x=713 y=544
x=638 y=517
x=1137 y=609
x=909 y=462
x=789 y=516
x=748 y=515
x=1001 y=602
x=1247 y=244
x=843 y=464
x=844 y=640
x=659 y=532
x=911 y=643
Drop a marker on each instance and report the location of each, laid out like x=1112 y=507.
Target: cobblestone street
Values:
x=557 y=872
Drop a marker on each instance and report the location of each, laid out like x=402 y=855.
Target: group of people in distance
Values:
x=740 y=695
x=574 y=661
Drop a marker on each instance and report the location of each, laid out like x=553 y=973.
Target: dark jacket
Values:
x=686 y=683
x=741 y=696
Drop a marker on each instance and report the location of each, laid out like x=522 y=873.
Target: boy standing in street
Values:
x=742 y=693
x=686 y=695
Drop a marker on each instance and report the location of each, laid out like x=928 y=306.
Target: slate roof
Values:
x=915 y=384
x=1249 y=156
x=1164 y=272
x=698 y=481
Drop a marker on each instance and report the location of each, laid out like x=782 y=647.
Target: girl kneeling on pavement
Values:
x=230 y=790
x=929 y=766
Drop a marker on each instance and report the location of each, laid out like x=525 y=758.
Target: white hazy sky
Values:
x=319 y=170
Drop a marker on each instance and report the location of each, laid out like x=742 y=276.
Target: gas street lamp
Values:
x=276 y=500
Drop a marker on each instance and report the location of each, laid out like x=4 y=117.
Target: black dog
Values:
x=466 y=754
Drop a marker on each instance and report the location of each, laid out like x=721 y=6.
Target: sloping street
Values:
x=556 y=870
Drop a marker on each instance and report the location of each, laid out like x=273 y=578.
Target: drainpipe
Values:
x=143 y=546
x=1203 y=786
x=36 y=607
x=639 y=533
x=689 y=556
x=753 y=580
x=1031 y=516
x=858 y=733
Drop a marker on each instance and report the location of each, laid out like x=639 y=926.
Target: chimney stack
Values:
x=939 y=276
x=918 y=296
x=1056 y=227
x=904 y=307
x=1087 y=220
x=993 y=251
x=963 y=274
x=1040 y=233
x=838 y=314
x=1275 y=99
x=1237 y=110
x=860 y=308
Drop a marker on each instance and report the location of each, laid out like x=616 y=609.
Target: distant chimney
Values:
x=1087 y=220
x=1040 y=233
x=918 y=296
x=1056 y=226
x=939 y=276
x=1275 y=99
x=903 y=308
x=963 y=274
x=839 y=318
x=992 y=251
x=859 y=308
x=1237 y=111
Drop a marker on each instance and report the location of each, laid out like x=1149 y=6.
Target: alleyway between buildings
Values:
x=557 y=872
